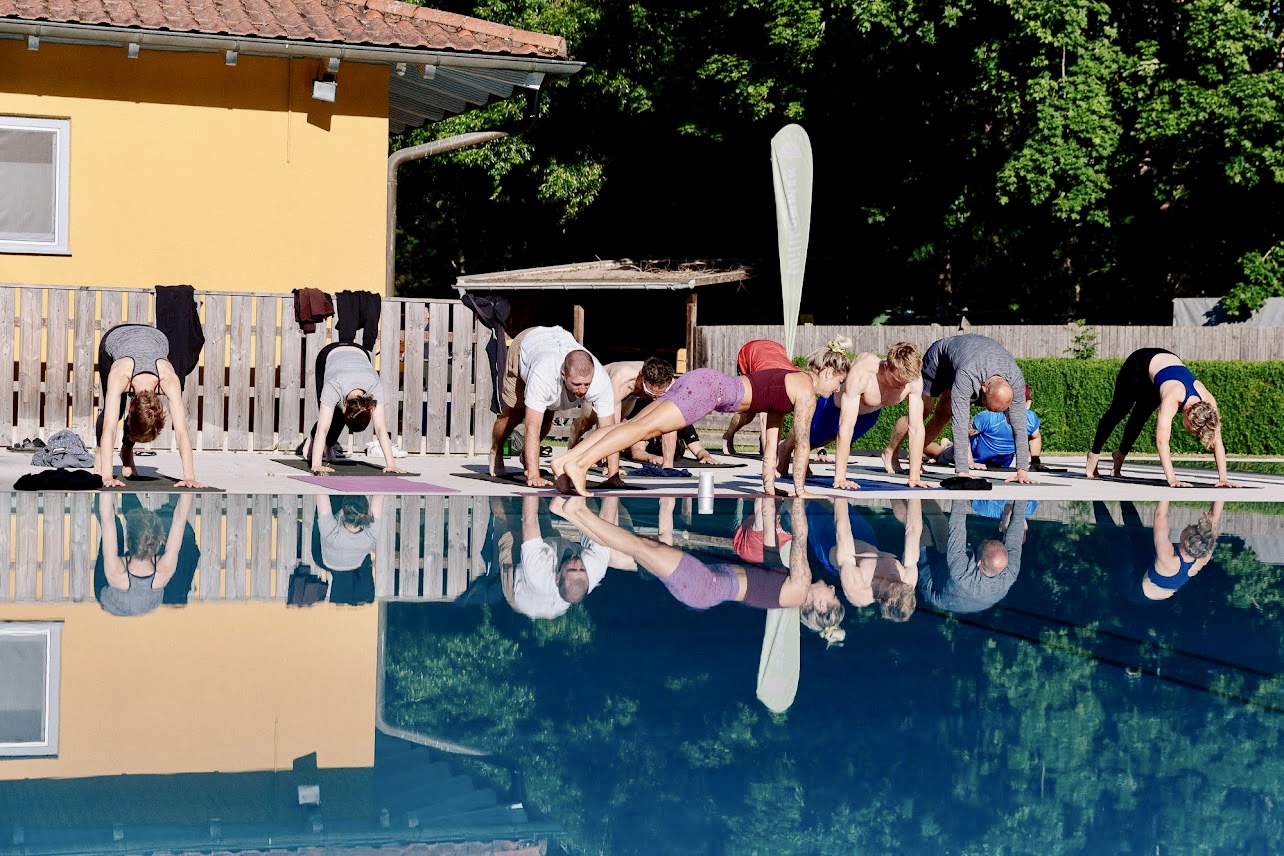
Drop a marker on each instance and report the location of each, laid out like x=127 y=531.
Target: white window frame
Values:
x=59 y=246
x=52 y=632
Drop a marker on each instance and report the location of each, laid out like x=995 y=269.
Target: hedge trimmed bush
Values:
x=1072 y=395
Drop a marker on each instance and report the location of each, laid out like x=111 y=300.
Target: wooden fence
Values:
x=429 y=548
x=716 y=347
x=255 y=387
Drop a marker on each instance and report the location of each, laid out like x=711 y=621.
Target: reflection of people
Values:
x=1154 y=379
x=702 y=584
x=1165 y=565
x=148 y=561
x=135 y=371
x=698 y=393
x=849 y=413
x=550 y=573
x=342 y=542
x=961 y=580
x=991 y=443
x=844 y=543
x=967 y=369
x=548 y=371
x=349 y=395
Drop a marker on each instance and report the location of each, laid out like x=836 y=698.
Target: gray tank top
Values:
x=142 y=342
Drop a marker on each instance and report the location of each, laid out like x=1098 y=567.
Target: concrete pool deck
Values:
x=258 y=473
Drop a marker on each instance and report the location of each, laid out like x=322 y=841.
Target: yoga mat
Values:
x=865 y=484
x=347 y=469
x=518 y=479
x=632 y=473
x=373 y=484
x=688 y=463
x=157 y=482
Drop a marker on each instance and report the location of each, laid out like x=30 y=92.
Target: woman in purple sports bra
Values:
x=1153 y=379
x=702 y=583
x=698 y=393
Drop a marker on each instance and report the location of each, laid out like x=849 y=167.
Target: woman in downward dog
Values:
x=698 y=393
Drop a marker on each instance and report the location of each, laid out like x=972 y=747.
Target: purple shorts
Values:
x=701 y=585
x=703 y=391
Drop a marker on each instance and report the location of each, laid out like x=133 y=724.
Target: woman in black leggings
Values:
x=1155 y=379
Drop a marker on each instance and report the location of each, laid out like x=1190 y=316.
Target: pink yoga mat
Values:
x=373 y=484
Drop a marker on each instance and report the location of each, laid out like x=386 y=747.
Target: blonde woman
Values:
x=698 y=393
x=846 y=545
x=1154 y=379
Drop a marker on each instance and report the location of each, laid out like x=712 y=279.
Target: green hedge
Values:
x=1071 y=395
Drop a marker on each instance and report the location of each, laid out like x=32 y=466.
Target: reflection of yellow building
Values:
x=228 y=687
x=202 y=151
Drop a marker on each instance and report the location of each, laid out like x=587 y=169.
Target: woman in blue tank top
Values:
x=1153 y=379
x=1175 y=562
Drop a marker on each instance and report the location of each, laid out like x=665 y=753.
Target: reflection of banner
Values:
x=779 y=662
x=791 y=175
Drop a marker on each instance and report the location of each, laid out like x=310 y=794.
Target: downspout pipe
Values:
x=436 y=147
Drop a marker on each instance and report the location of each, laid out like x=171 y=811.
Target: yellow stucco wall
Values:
x=186 y=170
x=208 y=687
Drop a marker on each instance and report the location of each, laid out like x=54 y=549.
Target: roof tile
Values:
x=380 y=23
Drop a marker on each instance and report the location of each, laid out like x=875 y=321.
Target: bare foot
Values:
x=1091 y=470
x=891 y=461
x=1118 y=457
x=572 y=479
x=497 y=467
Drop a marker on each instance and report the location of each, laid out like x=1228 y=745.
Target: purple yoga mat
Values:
x=373 y=484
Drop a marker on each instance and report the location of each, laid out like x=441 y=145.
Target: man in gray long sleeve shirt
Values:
x=962 y=581
x=971 y=369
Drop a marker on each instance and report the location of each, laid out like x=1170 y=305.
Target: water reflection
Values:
x=1034 y=703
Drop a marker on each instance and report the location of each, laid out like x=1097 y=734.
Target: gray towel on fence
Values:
x=64 y=449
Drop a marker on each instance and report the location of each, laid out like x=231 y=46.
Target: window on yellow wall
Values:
x=30 y=657
x=34 y=160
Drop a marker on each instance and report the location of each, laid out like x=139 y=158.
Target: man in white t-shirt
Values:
x=547 y=371
x=549 y=573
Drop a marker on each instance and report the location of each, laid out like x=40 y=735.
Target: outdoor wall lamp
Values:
x=326 y=86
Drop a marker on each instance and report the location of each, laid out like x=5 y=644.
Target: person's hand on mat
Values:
x=1226 y=483
x=537 y=481
x=113 y=482
x=192 y=483
x=1021 y=477
x=917 y=483
x=977 y=465
x=393 y=468
x=322 y=470
x=1176 y=482
x=845 y=484
x=822 y=457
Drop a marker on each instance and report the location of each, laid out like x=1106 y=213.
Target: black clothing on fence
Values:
x=311 y=305
x=359 y=310
x=494 y=312
x=177 y=317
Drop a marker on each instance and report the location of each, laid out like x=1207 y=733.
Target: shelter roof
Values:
x=624 y=274
x=443 y=63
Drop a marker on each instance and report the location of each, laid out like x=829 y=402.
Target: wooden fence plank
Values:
x=26 y=547
x=409 y=558
x=140 y=307
x=434 y=582
x=110 y=313
x=480 y=520
x=215 y=355
x=414 y=409
x=307 y=520
x=287 y=540
x=29 y=363
x=7 y=523
x=461 y=379
x=483 y=418
x=290 y=386
x=57 y=318
x=211 y=543
x=8 y=335
x=385 y=559
x=262 y=549
x=80 y=566
x=457 y=547
x=438 y=370
x=390 y=361
x=266 y=330
x=83 y=358
x=315 y=341
x=238 y=379
x=234 y=564
x=53 y=557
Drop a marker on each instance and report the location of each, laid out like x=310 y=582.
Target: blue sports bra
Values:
x=1178 y=579
x=1180 y=373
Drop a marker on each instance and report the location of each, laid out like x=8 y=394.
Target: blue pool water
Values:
x=442 y=688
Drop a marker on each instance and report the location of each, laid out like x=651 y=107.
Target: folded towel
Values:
x=657 y=471
x=965 y=483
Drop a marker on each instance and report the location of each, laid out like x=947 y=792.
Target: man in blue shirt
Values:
x=991 y=440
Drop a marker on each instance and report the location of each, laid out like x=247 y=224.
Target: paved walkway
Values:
x=258 y=472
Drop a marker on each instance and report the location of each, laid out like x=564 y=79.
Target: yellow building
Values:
x=234 y=147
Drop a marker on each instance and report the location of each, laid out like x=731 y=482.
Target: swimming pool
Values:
x=461 y=681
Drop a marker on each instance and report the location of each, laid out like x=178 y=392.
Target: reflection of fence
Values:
x=429 y=547
x=256 y=385
x=716 y=347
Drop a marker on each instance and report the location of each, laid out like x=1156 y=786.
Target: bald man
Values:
x=967 y=369
x=548 y=371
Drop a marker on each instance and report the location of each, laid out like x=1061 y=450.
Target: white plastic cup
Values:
x=704 y=505
x=706 y=484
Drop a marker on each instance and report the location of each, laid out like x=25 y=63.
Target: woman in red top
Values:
x=757 y=355
x=698 y=393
